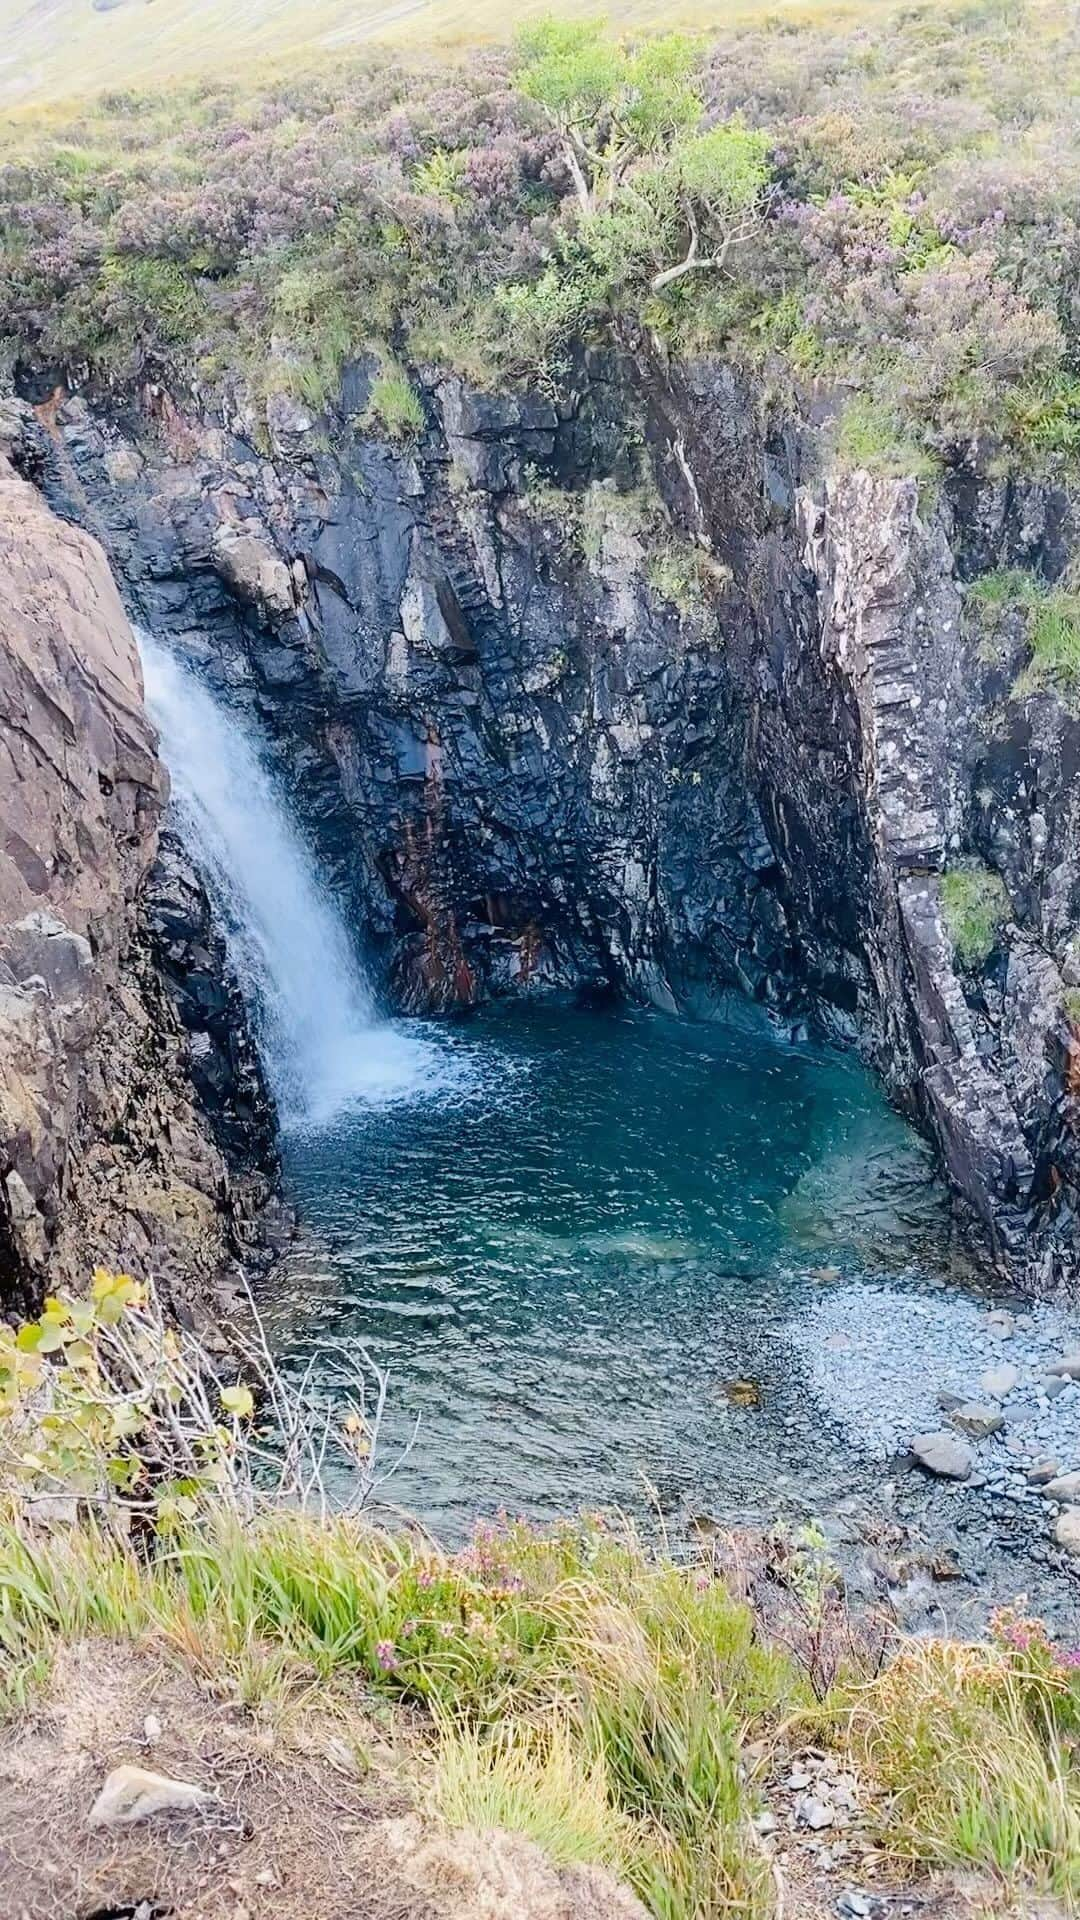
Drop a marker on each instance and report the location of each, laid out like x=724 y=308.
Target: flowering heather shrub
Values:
x=911 y=229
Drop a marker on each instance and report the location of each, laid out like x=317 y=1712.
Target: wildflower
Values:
x=408 y=1628
x=386 y=1655
x=1070 y=1658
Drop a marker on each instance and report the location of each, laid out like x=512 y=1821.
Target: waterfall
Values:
x=323 y=1045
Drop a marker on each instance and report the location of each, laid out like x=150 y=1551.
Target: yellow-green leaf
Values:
x=238 y=1400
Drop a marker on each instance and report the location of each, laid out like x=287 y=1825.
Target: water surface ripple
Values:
x=567 y=1262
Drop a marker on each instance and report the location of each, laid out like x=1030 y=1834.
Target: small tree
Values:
x=610 y=106
x=656 y=199
x=718 y=184
x=684 y=212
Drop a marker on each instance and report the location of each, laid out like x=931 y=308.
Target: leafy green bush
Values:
x=976 y=906
x=538 y=319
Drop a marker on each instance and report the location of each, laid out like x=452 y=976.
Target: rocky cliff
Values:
x=106 y=1153
x=616 y=691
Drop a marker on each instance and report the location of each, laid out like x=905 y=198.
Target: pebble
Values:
x=999 y=1381
x=151 y=1729
x=914 y=1355
x=853 y=1904
x=817 y=1814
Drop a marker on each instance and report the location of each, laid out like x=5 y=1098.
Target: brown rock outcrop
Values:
x=103 y=1158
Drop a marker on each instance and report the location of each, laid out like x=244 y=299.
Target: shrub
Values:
x=103 y=1402
x=538 y=319
x=683 y=574
x=976 y=906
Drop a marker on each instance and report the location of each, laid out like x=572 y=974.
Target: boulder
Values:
x=1067 y=1368
x=976 y=1420
x=943 y=1454
x=246 y=559
x=1065 y=1486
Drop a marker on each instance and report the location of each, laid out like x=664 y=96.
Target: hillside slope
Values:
x=54 y=49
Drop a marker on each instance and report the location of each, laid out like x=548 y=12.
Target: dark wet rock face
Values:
x=616 y=694
x=189 y=952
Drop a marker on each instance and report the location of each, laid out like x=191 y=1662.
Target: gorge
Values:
x=539 y=961
x=532 y=765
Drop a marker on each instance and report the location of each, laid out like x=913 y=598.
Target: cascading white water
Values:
x=323 y=1044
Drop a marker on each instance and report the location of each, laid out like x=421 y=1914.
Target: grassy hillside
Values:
x=50 y=49
x=852 y=203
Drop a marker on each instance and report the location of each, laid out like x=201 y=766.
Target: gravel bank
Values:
x=889 y=1365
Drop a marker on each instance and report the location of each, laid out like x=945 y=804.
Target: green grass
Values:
x=615 y=1707
x=1055 y=644
x=976 y=906
x=977 y=1761
x=394 y=406
x=1052 y=615
x=869 y=435
x=533 y=1780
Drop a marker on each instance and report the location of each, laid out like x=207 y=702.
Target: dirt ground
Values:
x=308 y=1820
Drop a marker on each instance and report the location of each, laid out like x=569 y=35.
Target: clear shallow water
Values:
x=566 y=1260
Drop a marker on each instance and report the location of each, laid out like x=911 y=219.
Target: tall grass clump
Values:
x=1051 y=618
x=394 y=407
x=976 y=1748
x=976 y=906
